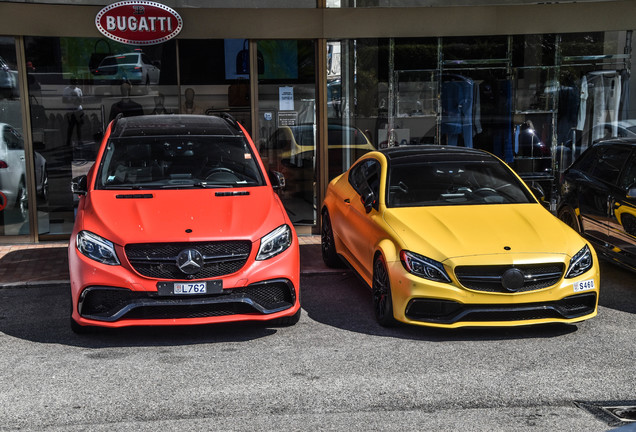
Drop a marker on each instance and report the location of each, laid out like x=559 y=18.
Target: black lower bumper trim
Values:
x=111 y=304
x=450 y=312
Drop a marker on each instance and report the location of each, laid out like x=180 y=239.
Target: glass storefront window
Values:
x=536 y=101
x=287 y=121
x=215 y=78
x=76 y=87
x=424 y=3
x=14 y=211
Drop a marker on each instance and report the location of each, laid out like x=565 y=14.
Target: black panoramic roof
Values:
x=630 y=142
x=405 y=154
x=174 y=124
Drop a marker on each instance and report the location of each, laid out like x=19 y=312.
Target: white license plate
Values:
x=190 y=288
x=584 y=285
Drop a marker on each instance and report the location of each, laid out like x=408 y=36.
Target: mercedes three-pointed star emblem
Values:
x=190 y=261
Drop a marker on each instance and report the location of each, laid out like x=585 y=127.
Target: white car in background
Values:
x=135 y=67
x=13 y=171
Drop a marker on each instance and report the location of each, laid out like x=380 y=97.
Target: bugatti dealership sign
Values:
x=138 y=22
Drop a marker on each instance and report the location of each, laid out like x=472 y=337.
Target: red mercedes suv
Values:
x=178 y=224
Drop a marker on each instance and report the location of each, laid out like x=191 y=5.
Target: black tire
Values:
x=288 y=321
x=382 y=300
x=79 y=329
x=568 y=216
x=44 y=187
x=75 y=326
x=22 y=202
x=327 y=243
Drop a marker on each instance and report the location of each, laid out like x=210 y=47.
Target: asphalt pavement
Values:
x=337 y=369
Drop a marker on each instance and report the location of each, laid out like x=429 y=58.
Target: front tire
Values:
x=327 y=243
x=288 y=321
x=382 y=300
x=22 y=202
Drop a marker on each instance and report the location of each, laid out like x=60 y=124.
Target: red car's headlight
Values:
x=274 y=243
x=97 y=248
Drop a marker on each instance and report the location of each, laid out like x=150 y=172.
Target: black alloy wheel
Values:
x=328 y=247
x=382 y=302
x=568 y=216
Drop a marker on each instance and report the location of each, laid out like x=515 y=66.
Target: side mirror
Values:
x=277 y=179
x=79 y=185
x=368 y=200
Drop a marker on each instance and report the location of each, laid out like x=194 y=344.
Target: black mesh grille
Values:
x=449 y=312
x=159 y=260
x=112 y=304
x=488 y=278
x=189 y=311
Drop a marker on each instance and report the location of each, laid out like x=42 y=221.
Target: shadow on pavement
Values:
x=344 y=301
x=41 y=314
x=618 y=288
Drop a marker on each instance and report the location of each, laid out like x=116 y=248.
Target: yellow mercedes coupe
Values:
x=452 y=237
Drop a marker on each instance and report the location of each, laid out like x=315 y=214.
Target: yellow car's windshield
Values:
x=415 y=182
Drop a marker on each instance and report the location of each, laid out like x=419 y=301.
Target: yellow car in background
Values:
x=451 y=237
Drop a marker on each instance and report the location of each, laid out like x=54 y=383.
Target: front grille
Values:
x=159 y=260
x=449 y=312
x=489 y=278
x=112 y=304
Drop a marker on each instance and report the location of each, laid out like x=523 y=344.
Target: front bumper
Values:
x=110 y=304
x=422 y=302
x=118 y=296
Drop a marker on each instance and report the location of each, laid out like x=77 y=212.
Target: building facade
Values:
x=317 y=84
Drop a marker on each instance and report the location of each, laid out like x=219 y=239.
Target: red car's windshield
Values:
x=159 y=162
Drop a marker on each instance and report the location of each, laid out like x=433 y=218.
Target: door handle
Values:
x=347 y=200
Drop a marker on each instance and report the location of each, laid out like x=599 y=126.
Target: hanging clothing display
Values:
x=502 y=142
x=568 y=110
x=600 y=101
x=457 y=109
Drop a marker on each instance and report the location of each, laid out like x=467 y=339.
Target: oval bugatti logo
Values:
x=138 y=22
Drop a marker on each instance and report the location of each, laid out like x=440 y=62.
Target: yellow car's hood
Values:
x=446 y=232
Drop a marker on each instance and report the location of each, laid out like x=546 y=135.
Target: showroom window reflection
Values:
x=14 y=211
x=76 y=87
x=536 y=101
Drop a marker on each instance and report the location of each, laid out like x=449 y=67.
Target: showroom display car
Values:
x=133 y=67
x=177 y=223
x=598 y=199
x=13 y=174
x=451 y=237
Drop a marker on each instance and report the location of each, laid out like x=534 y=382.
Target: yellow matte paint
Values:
x=488 y=234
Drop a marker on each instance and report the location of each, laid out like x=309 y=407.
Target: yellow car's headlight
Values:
x=423 y=267
x=580 y=263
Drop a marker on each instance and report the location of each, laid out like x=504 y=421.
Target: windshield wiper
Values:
x=213 y=185
x=123 y=187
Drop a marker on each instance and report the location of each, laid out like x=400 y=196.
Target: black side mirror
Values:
x=368 y=201
x=277 y=179
x=79 y=185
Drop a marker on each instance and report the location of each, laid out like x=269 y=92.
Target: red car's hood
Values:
x=182 y=215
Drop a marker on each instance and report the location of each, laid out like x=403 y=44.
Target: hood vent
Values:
x=234 y=193
x=133 y=196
